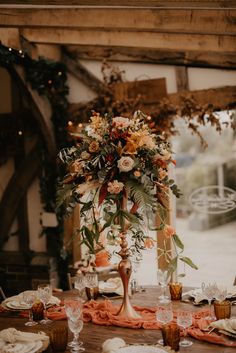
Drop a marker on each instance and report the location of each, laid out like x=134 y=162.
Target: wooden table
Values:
x=94 y=335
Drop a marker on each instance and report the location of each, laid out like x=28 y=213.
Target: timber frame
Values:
x=180 y=33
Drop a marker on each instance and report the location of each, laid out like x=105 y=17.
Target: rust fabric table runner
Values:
x=101 y=323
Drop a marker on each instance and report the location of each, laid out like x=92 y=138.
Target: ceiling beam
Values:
x=83 y=74
x=176 y=20
x=40 y=108
x=128 y=3
x=221 y=98
x=15 y=191
x=155 y=56
x=148 y=40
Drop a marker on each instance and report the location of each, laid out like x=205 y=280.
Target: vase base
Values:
x=128 y=312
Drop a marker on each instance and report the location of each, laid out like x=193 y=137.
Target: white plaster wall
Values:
x=136 y=71
x=203 y=78
x=78 y=91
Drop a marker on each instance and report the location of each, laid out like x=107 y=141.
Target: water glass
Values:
x=73 y=308
x=75 y=327
x=59 y=338
x=164 y=315
x=91 y=282
x=29 y=298
x=209 y=291
x=184 y=319
x=162 y=277
x=44 y=294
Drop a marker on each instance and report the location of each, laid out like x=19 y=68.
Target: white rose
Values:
x=125 y=164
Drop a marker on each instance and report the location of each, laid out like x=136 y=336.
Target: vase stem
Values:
x=125 y=269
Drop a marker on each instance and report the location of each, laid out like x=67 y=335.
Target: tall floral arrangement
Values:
x=118 y=172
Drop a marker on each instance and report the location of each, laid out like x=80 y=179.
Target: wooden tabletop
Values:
x=94 y=335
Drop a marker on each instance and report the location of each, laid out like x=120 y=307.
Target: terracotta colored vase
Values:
x=102 y=259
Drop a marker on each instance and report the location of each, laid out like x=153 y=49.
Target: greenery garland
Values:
x=48 y=78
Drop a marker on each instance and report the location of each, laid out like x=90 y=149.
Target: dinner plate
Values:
x=15 y=302
x=16 y=305
x=142 y=349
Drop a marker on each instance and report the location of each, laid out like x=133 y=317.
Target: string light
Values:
x=10 y=49
x=80 y=125
x=20 y=133
x=59 y=73
x=70 y=123
x=49 y=82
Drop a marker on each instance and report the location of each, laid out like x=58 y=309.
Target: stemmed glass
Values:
x=162 y=277
x=44 y=294
x=91 y=282
x=73 y=309
x=29 y=298
x=184 y=319
x=209 y=291
x=76 y=326
x=79 y=283
x=164 y=315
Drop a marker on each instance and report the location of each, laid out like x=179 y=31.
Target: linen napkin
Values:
x=226 y=325
x=11 y=335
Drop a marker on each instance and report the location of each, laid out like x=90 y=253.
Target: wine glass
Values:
x=76 y=326
x=209 y=291
x=184 y=319
x=29 y=298
x=91 y=282
x=164 y=315
x=44 y=294
x=79 y=283
x=162 y=277
x=73 y=308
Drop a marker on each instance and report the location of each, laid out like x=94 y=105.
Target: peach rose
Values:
x=169 y=231
x=120 y=122
x=115 y=187
x=148 y=243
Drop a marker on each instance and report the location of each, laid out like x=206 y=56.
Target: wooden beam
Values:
x=83 y=74
x=148 y=40
x=40 y=108
x=15 y=191
x=156 y=56
x=128 y=3
x=221 y=98
x=176 y=20
x=181 y=73
x=10 y=37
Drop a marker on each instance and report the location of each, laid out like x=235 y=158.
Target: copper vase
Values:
x=125 y=268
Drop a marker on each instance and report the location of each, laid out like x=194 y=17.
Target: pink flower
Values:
x=169 y=231
x=120 y=122
x=115 y=187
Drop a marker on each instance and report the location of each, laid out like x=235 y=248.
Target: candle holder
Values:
x=175 y=290
x=222 y=309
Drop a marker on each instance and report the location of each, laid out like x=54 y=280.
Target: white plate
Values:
x=16 y=305
x=141 y=349
x=15 y=302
